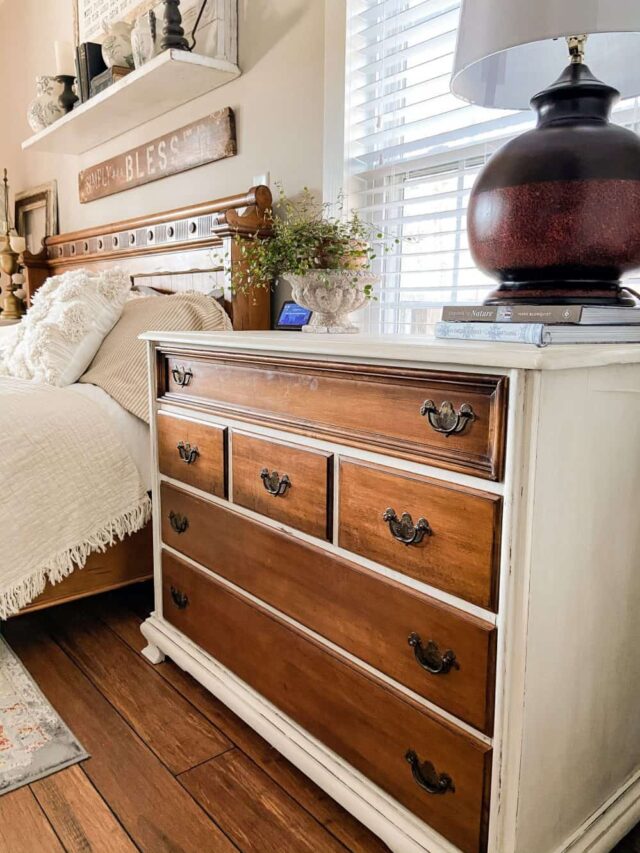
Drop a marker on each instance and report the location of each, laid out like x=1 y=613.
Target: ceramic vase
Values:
x=331 y=295
x=143 y=38
x=116 y=47
x=45 y=108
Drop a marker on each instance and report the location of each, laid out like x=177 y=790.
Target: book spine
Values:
x=469 y=314
x=95 y=62
x=549 y=314
x=513 y=333
x=83 y=82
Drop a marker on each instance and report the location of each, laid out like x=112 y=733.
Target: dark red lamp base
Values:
x=561 y=292
x=555 y=213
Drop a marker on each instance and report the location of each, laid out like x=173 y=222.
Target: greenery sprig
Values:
x=305 y=236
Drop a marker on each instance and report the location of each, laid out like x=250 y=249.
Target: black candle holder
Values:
x=68 y=97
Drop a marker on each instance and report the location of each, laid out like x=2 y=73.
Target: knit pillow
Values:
x=120 y=366
x=62 y=331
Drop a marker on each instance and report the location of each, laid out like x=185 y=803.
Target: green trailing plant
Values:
x=305 y=236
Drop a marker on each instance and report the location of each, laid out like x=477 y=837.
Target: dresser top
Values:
x=427 y=350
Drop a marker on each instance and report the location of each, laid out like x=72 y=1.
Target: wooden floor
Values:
x=172 y=770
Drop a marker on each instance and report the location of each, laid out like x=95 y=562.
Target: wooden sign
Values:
x=211 y=138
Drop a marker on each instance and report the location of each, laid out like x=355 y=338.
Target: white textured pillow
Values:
x=69 y=317
x=7 y=334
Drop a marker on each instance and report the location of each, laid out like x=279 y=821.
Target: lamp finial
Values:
x=576 y=48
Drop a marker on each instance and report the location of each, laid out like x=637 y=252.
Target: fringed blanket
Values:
x=68 y=487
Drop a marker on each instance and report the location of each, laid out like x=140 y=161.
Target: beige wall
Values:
x=278 y=102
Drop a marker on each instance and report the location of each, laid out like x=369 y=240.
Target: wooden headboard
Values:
x=176 y=250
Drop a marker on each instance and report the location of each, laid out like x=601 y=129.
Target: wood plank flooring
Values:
x=172 y=770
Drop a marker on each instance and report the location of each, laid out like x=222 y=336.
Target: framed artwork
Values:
x=36 y=215
x=216 y=35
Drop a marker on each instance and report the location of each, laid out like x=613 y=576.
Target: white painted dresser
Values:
x=464 y=677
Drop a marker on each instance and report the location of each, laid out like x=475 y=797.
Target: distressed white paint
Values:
x=566 y=772
x=477 y=356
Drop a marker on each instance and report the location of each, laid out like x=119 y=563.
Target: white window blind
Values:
x=413 y=151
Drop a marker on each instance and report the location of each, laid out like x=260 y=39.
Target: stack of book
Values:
x=541 y=324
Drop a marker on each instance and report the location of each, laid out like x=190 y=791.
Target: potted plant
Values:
x=326 y=259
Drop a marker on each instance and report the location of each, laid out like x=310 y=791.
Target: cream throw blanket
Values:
x=68 y=487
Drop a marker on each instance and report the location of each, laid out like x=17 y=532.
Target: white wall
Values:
x=278 y=103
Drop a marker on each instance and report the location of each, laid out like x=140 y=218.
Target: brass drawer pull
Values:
x=404 y=530
x=431 y=658
x=182 y=376
x=180 y=599
x=274 y=483
x=179 y=523
x=445 y=419
x=427 y=777
x=187 y=453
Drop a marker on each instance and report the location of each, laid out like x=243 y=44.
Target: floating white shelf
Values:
x=167 y=81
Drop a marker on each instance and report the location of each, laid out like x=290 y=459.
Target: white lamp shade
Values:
x=506 y=51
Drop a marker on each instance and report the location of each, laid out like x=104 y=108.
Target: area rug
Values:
x=34 y=741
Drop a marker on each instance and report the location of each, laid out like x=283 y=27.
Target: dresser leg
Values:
x=153 y=653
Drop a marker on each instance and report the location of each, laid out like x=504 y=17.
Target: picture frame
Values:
x=36 y=215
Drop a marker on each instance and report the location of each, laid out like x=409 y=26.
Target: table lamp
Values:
x=555 y=213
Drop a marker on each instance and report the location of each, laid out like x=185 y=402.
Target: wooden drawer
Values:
x=370 y=616
x=193 y=453
x=381 y=408
x=458 y=550
x=369 y=724
x=284 y=482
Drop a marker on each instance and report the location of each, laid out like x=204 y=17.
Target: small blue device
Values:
x=293 y=317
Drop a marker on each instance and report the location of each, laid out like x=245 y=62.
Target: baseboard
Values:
x=384 y=816
x=609 y=824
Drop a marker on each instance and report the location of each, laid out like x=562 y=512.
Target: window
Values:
x=413 y=151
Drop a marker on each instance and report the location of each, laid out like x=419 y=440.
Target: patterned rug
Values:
x=34 y=741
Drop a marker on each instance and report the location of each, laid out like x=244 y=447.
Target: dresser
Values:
x=414 y=568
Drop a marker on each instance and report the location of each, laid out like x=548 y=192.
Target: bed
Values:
x=175 y=251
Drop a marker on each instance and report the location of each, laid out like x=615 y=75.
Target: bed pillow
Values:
x=120 y=366
x=8 y=332
x=62 y=331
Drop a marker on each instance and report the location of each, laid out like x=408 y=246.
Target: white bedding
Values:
x=66 y=471
x=133 y=432
x=7 y=333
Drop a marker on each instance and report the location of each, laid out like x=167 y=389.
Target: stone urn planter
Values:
x=332 y=295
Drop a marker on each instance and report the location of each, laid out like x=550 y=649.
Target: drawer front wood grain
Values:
x=368 y=615
x=284 y=482
x=375 y=407
x=459 y=549
x=193 y=453
x=368 y=723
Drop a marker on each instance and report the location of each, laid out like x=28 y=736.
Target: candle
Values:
x=18 y=244
x=65 y=59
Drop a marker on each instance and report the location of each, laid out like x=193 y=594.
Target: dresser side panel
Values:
x=581 y=738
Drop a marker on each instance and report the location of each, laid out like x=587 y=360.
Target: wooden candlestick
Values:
x=172 y=32
x=9 y=264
